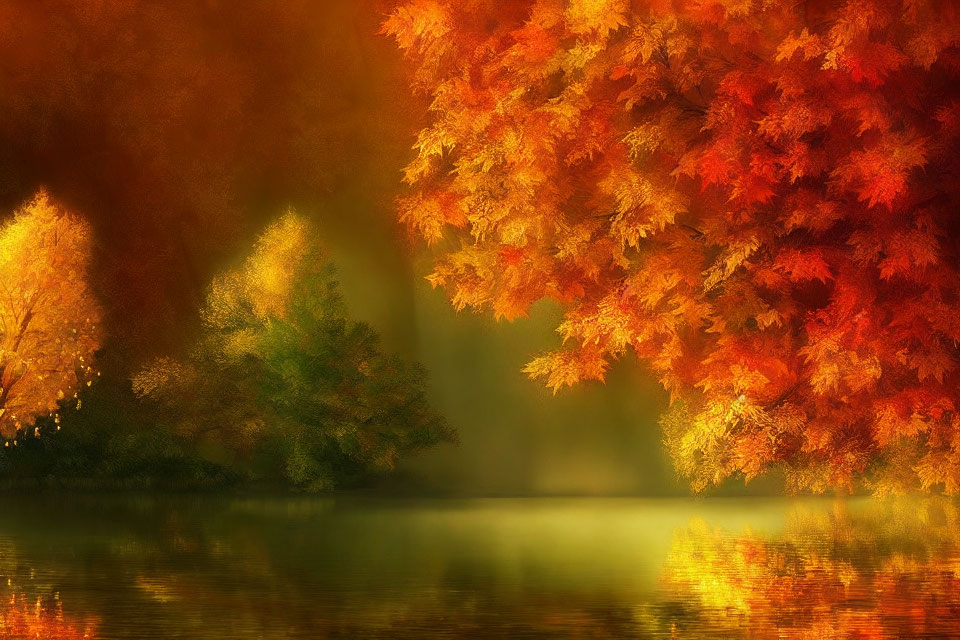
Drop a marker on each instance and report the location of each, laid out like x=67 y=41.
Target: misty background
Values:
x=181 y=128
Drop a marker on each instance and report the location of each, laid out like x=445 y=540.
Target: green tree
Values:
x=282 y=385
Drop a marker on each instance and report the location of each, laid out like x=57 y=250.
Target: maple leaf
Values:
x=809 y=44
x=870 y=110
x=566 y=368
x=428 y=214
x=933 y=362
x=801 y=266
x=649 y=38
x=746 y=380
x=714 y=166
x=534 y=44
x=641 y=208
x=879 y=174
x=872 y=62
x=934 y=33
x=769 y=318
x=596 y=16
x=729 y=261
x=418 y=23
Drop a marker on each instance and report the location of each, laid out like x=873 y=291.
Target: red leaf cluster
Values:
x=758 y=197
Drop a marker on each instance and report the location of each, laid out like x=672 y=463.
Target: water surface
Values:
x=216 y=567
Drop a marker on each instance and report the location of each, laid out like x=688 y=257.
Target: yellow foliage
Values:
x=163 y=373
x=264 y=285
x=596 y=16
x=641 y=208
x=49 y=320
x=726 y=265
x=566 y=368
x=644 y=140
x=419 y=23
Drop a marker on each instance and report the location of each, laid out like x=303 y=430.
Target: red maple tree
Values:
x=758 y=197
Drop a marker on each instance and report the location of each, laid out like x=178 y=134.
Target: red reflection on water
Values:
x=21 y=619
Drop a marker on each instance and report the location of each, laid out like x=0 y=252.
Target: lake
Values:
x=217 y=567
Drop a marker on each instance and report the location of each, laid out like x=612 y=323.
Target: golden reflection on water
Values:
x=684 y=569
x=881 y=571
x=30 y=608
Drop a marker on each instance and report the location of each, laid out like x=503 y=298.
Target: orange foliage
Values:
x=48 y=317
x=756 y=197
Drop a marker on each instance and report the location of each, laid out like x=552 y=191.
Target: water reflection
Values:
x=23 y=619
x=880 y=571
x=30 y=608
x=217 y=568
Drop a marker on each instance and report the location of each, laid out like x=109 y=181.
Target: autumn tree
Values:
x=282 y=384
x=48 y=317
x=757 y=197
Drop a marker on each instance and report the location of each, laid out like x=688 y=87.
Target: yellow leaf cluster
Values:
x=49 y=319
